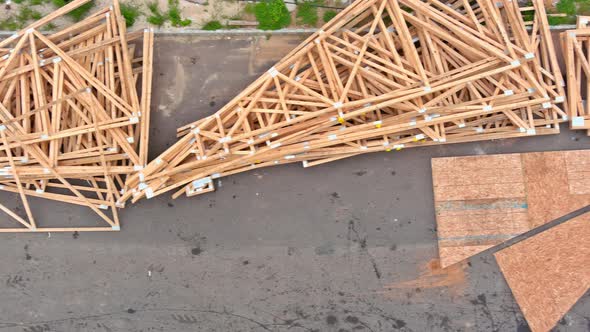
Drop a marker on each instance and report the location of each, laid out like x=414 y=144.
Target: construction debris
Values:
x=482 y=201
x=549 y=272
x=73 y=125
x=381 y=76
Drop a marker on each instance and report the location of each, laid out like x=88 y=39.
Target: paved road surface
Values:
x=348 y=246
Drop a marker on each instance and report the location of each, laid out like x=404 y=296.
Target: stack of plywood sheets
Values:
x=549 y=272
x=381 y=76
x=73 y=125
x=482 y=201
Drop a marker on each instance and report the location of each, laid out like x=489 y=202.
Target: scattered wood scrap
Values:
x=482 y=201
x=380 y=76
x=72 y=123
x=549 y=272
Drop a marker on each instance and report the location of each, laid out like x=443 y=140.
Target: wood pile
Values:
x=73 y=122
x=483 y=201
x=576 y=48
x=380 y=76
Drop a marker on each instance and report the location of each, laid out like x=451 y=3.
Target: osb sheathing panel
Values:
x=482 y=201
x=549 y=272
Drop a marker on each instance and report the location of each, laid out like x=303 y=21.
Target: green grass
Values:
x=559 y=20
x=49 y=27
x=212 y=25
x=78 y=13
x=175 y=16
x=130 y=12
x=10 y=24
x=307 y=13
x=272 y=15
x=329 y=14
x=156 y=18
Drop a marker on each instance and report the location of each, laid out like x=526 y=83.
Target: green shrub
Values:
x=329 y=14
x=78 y=13
x=559 y=20
x=130 y=12
x=272 y=15
x=156 y=18
x=174 y=15
x=26 y=13
x=307 y=13
x=212 y=25
x=566 y=7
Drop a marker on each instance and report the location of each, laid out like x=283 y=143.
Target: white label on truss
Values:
x=116 y=227
x=225 y=139
x=226 y=150
x=415 y=40
x=142 y=186
x=487 y=108
x=515 y=63
x=461 y=125
x=290 y=156
x=332 y=119
x=427 y=117
x=530 y=90
x=306 y=145
x=215 y=175
x=103 y=207
x=119 y=205
x=39 y=191
x=133 y=119
x=14 y=36
x=442 y=140
x=130 y=139
x=337 y=104
x=273 y=72
x=386 y=143
x=529 y=55
x=263 y=135
x=572 y=33
x=149 y=193
x=158 y=161
x=31 y=30
x=317 y=41
x=112 y=149
x=276 y=145
x=200 y=183
x=559 y=99
x=479 y=129
x=398 y=146
x=305 y=164
x=297 y=78
x=531 y=131
x=41 y=63
x=427 y=89
x=367 y=104
x=57 y=60
x=1 y=186
x=46 y=170
x=4 y=57
x=412 y=122
x=332 y=137
x=522 y=130
x=24 y=160
x=583 y=21
x=137 y=167
x=377 y=123
x=250 y=141
x=419 y=136
x=273 y=135
x=276 y=162
x=564 y=118
x=577 y=121
x=547 y=105
x=44 y=136
x=141 y=176
x=363 y=147
x=422 y=110
x=508 y=93
x=196 y=131
x=2 y=127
